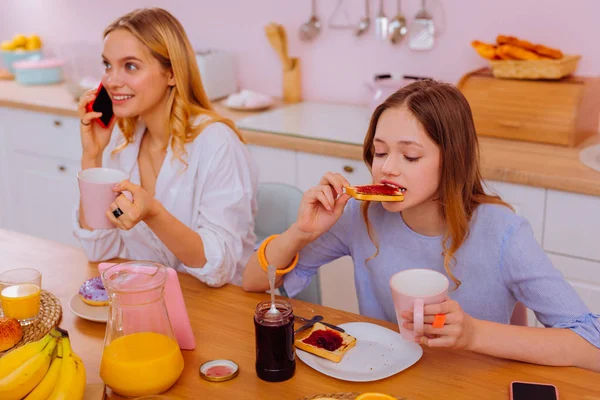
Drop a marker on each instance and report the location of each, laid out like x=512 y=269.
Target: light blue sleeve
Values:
x=328 y=247
x=533 y=280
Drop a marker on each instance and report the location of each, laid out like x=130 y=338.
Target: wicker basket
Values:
x=535 y=69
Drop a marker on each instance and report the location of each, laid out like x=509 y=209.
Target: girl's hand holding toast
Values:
x=322 y=205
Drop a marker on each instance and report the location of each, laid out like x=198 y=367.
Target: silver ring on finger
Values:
x=83 y=123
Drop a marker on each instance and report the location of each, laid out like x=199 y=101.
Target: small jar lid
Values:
x=219 y=370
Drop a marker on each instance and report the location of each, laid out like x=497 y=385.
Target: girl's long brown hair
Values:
x=167 y=41
x=446 y=117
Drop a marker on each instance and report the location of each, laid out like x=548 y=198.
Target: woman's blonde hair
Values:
x=446 y=117
x=167 y=41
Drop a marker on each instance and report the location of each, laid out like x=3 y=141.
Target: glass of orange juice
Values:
x=20 y=294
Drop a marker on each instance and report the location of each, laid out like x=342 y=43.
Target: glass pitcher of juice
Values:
x=141 y=355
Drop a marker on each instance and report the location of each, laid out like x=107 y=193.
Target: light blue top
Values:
x=499 y=264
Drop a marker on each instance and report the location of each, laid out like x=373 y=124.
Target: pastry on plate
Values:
x=92 y=292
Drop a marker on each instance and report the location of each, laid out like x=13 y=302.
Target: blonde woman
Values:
x=192 y=179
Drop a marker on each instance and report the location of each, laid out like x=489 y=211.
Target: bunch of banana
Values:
x=46 y=369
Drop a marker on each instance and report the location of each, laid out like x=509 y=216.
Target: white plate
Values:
x=85 y=311
x=590 y=156
x=379 y=353
x=256 y=108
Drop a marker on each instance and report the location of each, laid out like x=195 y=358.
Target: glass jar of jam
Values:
x=275 y=355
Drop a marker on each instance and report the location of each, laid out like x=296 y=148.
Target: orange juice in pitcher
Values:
x=141 y=363
x=141 y=355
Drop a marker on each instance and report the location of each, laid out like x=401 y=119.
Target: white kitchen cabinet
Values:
x=275 y=165
x=583 y=275
x=44 y=134
x=38 y=173
x=528 y=202
x=3 y=174
x=44 y=194
x=312 y=167
x=337 y=285
x=573 y=225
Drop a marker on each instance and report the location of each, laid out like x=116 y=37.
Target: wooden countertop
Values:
x=229 y=333
x=532 y=164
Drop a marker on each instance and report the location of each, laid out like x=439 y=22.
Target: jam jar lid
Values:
x=219 y=370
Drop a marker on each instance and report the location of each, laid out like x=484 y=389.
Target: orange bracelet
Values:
x=262 y=258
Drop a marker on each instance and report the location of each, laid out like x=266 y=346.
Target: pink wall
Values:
x=336 y=65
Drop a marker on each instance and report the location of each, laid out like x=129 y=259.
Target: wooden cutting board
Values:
x=5 y=75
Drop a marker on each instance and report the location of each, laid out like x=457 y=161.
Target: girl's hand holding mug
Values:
x=444 y=325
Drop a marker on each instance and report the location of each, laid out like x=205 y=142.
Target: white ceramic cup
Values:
x=412 y=289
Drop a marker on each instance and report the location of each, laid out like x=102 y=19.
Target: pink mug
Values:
x=95 y=188
x=412 y=289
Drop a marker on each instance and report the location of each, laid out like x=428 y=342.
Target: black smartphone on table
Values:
x=532 y=391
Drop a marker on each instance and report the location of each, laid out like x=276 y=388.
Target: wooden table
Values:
x=222 y=322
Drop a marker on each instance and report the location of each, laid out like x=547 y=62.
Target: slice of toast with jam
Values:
x=378 y=192
x=325 y=342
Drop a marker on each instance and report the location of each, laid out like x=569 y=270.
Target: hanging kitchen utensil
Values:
x=397 y=28
x=381 y=23
x=333 y=22
x=309 y=30
x=364 y=23
x=422 y=30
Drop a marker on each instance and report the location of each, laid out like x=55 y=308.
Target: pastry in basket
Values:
x=539 y=49
x=509 y=51
x=378 y=192
x=549 y=52
x=514 y=41
x=92 y=292
x=485 y=50
x=325 y=342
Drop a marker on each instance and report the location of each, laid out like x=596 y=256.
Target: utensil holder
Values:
x=292 y=89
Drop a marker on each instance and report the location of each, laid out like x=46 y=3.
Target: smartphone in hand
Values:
x=103 y=104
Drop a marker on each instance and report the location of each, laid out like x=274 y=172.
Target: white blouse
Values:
x=215 y=196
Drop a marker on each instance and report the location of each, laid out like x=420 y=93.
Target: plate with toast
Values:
x=365 y=352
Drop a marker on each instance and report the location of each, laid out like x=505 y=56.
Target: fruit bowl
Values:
x=11 y=56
